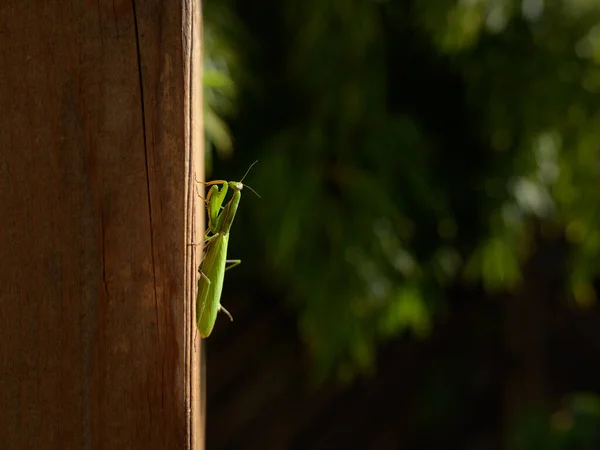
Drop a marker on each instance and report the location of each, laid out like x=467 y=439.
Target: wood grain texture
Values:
x=99 y=141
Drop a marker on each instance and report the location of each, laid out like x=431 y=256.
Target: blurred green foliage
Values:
x=405 y=146
x=573 y=426
x=223 y=34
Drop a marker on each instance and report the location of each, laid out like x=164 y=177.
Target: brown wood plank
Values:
x=99 y=142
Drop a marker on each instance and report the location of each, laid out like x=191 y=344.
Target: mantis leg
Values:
x=227 y=313
x=204 y=276
x=233 y=262
x=207 y=239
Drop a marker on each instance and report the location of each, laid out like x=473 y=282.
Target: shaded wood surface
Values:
x=97 y=152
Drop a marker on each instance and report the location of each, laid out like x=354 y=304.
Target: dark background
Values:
x=421 y=269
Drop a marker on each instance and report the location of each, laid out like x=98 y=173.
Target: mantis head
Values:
x=236 y=185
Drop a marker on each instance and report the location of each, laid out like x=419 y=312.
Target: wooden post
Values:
x=101 y=136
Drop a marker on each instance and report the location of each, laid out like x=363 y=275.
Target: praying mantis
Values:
x=213 y=266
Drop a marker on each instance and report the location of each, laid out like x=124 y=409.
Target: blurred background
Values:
x=421 y=270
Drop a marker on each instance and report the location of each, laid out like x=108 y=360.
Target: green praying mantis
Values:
x=213 y=266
